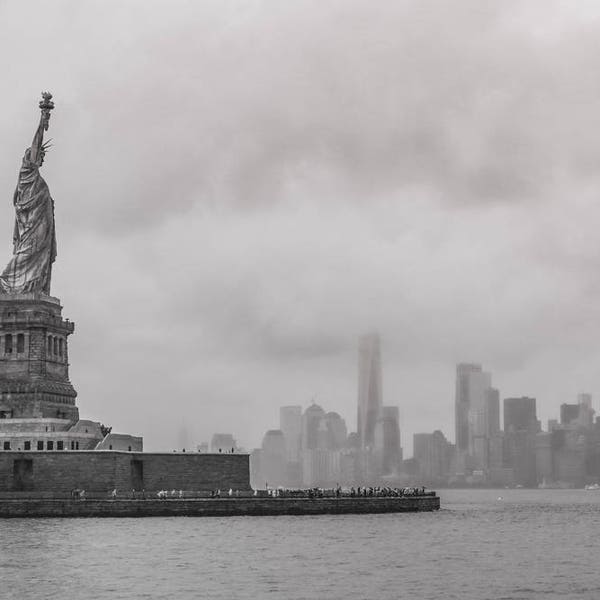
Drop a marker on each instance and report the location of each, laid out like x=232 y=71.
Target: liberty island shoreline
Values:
x=215 y=507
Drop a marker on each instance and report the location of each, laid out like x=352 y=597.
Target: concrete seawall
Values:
x=217 y=507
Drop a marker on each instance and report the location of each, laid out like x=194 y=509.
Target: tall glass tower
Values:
x=369 y=387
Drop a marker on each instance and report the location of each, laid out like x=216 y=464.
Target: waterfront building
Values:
x=433 y=454
x=593 y=453
x=520 y=429
x=576 y=443
x=569 y=454
x=499 y=474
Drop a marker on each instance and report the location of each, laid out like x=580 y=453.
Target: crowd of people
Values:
x=352 y=492
x=316 y=492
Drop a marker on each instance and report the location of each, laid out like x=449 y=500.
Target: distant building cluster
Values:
x=312 y=448
x=566 y=454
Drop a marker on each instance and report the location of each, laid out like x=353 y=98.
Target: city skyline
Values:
x=408 y=429
x=494 y=448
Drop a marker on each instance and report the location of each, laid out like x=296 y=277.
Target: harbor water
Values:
x=512 y=544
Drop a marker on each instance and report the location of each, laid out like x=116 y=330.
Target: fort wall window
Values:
x=7 y=445
x=50 y=445
x=40 y=445
x=49 y=345
x=20 y=343
x=60 y=347
x=60 y=445
x=76 y=445
x=27 y=445
x=8 y=344
x=55 y=349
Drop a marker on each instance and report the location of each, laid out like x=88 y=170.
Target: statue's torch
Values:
x=46 y=105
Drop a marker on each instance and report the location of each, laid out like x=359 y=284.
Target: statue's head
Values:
x=41 y=156
x=27 y=157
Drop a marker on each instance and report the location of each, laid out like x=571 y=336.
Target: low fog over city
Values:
x=235 y=210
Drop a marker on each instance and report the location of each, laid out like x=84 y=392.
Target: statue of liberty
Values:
x=34 y=237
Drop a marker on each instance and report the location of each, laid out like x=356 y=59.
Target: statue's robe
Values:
x=30 y=268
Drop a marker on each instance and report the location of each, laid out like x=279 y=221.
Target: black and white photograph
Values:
x=300 y=299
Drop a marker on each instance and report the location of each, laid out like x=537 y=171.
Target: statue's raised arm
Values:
x=34 y=239
x=37 y=146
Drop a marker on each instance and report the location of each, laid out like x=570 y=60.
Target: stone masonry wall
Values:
x=215 y=507
x=99 y=472
x=195 y=471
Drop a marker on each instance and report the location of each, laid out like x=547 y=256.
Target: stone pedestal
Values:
x=34 y=359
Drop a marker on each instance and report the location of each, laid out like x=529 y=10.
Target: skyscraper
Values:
x=290 y=422
x=432 y=452
x=336 y=432
x=520 y=429
x=569 y=413
x=465 y=374
x=323 y=434
x=492 y=402
x=477 y=407
x=586 y=412
x=273 y=463
x=369 y=388
x=387 y=441
x=585 y=399
x=311 y=419
x=520 y=414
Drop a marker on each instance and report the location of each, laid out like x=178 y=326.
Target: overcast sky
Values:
x=243 y=188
